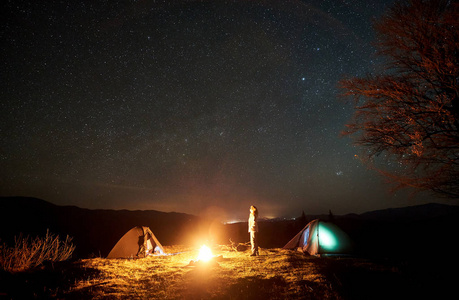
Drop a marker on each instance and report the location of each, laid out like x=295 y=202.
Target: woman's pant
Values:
x=254 y=241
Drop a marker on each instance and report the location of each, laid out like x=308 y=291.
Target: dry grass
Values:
x=29 y=253
x=275 y=274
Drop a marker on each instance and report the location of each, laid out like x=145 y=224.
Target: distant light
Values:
x=232 y=222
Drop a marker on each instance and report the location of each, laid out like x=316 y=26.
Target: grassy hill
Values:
x=275 y=274
x=401 y=253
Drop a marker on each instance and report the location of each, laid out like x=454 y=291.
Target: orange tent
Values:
x=136 y=243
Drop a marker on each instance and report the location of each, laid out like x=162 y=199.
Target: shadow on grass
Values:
x=47 y=281
x=257 y=288
x=360 y=279
x=210 y=283
x=202 y=285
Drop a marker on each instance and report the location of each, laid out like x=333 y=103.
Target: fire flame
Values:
x=205 y=254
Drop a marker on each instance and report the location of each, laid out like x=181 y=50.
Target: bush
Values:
x=28 y=253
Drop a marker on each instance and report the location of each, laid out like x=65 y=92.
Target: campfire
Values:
x=205 y=254
x=205 y=257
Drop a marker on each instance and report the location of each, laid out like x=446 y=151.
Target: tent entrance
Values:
x=136 y=243
x=319 y=237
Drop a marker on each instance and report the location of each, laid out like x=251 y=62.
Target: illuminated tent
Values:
x=136 y=243
x=319 y=237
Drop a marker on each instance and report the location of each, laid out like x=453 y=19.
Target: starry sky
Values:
x=203 y=107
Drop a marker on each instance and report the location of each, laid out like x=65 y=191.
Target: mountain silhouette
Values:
x=95 y=231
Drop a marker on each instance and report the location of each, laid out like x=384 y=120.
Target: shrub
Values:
x=28 y=253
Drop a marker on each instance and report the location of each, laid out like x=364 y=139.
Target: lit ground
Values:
x=275 y=274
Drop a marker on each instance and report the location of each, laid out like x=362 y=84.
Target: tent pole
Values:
x=318 y=244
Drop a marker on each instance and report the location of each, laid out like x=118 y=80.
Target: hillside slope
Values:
x=94 y=232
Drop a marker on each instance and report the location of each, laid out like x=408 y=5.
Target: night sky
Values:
x=202 y=107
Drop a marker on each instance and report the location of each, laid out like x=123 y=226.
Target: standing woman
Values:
x=253 y=229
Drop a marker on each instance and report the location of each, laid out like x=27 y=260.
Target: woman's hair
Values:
x=254 y=210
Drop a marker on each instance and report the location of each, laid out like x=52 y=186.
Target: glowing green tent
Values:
x=319 y=237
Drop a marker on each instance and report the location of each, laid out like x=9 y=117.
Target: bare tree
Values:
x=409 y=113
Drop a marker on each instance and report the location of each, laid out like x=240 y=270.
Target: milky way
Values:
x=190 y=106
